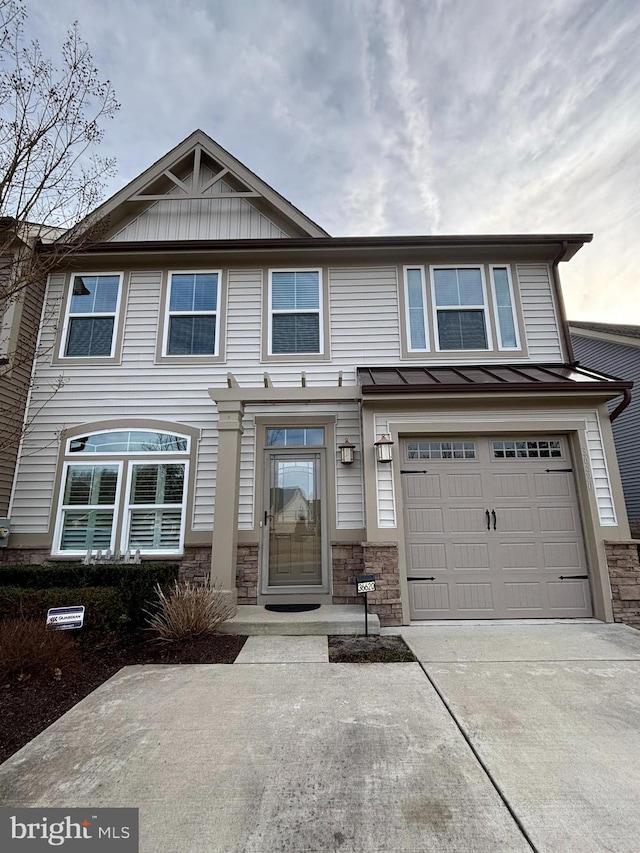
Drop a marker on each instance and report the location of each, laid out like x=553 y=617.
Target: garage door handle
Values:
x=574 y=577
x=420 y=579
x=488 y=520
x=493 y=514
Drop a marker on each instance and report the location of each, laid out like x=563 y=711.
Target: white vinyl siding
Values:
x=539 y=312
x=364 y=329
x=365 y=320
x=415 y=298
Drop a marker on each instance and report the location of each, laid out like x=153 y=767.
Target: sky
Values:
x=381 y=117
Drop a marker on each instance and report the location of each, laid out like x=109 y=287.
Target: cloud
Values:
x=397 y=116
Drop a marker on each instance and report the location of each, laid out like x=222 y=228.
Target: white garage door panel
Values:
x=520 y=560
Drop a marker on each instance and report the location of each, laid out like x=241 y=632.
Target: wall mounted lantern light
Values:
x=383 y=449
x=346 y=452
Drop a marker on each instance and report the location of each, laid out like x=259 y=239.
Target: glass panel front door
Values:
x=294 y=519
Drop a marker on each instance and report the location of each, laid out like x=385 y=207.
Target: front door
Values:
x=293 y=543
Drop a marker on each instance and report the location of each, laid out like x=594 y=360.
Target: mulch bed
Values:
x=348 y=649
x=28 y=707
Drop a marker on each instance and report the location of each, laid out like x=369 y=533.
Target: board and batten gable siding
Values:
x=624 y=362
x=597 y=472
x=199 y=219
x=539 y=313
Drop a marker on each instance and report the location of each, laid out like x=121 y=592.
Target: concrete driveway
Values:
x=496 y=745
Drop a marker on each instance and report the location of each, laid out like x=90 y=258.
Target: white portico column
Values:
x=225 y=526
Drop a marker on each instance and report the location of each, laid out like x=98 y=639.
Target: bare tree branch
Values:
x=52 y=117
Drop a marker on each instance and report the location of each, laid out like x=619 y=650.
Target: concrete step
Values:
x=327 y=619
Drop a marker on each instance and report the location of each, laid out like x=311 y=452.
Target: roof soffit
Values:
x=199 y=168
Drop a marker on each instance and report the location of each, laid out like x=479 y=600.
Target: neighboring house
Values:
x=615 y=349
x=220 y=352
x=20 y=313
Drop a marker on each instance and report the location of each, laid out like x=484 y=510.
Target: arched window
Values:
x=123 y=489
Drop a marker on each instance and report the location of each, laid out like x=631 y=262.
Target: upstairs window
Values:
x=416 y=309
x=295 y=314
x=460 y=301
x=503 y=306
x=92 y=310
x=193 y=310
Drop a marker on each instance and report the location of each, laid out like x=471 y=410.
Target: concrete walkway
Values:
x=504 y=738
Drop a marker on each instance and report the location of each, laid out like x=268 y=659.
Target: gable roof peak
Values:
x=197 y=168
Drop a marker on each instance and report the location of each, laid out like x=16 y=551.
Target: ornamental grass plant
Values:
x=188 y=610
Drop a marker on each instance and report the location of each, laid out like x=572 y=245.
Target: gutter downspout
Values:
x=619 y=409
x=563 y=314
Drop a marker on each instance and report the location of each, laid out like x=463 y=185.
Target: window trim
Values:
x=115 y=338
x=127 y=506
x=425 y=311
x=484 y=308
x=285 y=356
x=167 y=314
x=514 y=313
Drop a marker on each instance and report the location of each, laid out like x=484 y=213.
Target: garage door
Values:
x=493 y=529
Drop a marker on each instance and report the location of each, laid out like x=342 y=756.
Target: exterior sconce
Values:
x=383 y=449
x=346 y=452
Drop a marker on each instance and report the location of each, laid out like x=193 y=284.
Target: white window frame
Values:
x=425 y=313
x=68 y=316
x=121 y=510
x=484 y=308
x=62 y=507
x=129 y=507
x=168 y=314
x=514 y=313
x=319 y=311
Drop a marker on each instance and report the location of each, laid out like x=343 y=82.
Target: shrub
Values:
x=28 y=648
x=135 y=581
x=189 y=610
x=104 y=606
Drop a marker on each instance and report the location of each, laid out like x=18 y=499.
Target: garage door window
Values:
x=441 y=450
x=543 y=449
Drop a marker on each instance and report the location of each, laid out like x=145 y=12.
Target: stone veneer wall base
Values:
x=624 y=572
x=376 y=558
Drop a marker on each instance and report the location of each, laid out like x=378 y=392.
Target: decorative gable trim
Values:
x=195 y=171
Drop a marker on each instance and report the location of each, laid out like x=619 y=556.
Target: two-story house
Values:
x=246 y=394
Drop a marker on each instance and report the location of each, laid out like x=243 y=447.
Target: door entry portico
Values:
x=293 y=543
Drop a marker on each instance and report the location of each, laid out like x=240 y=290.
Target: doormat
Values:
x=291 y=608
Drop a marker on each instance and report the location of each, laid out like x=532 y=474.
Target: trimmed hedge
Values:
x=104 y=606
x=134 y=582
